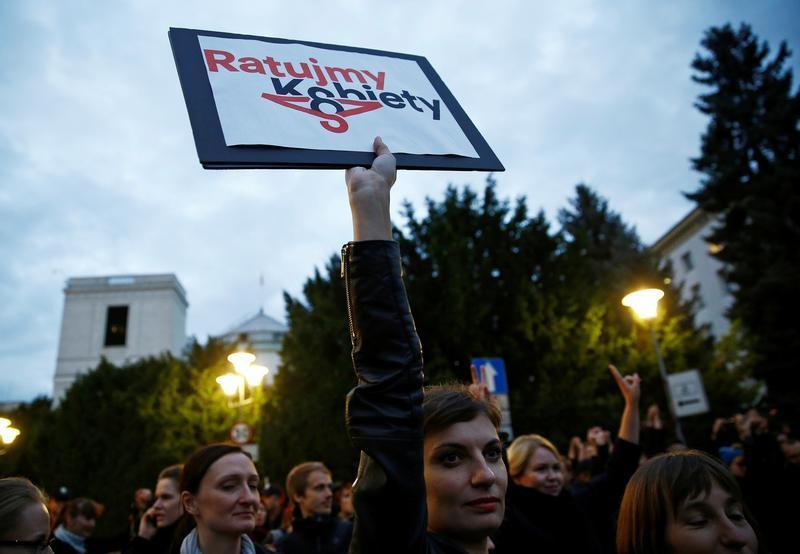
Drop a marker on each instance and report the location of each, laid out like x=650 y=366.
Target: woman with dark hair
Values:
x=219 y=492
x=441 y=457
x=684 y=502
x=24 y=520
x=158 y=524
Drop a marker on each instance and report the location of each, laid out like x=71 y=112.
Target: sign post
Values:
x=687 y=394
x=492 y=372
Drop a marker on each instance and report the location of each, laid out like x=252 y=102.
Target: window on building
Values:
x=116 y=325
x=688 y=264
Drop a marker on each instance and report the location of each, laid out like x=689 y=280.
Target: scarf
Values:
x=75 y=541
x=191 y=544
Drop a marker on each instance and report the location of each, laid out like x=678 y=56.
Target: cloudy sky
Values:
x=99 y=175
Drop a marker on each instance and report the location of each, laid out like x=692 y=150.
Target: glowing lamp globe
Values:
x=8 y=434
x=241 y=361
x=255 y=374
x=644 y=303
x=230 y=383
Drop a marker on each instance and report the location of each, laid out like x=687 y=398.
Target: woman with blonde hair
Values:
x=543 y=512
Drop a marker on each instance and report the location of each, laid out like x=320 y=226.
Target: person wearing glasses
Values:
x=24 y=519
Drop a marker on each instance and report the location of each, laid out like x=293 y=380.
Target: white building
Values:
x=264 y=336
x=123 y=318
x=696 y=270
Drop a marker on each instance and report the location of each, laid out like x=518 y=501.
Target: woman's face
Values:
x=465 y=480
x=33 y=525
x=167 y=507
x=227 y=498
x=346 y=502
x=543 y=473
x=711 y=524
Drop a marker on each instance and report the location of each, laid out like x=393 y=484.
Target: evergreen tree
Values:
x=304 y=415
x=117 y=427
x=750 y=160
x=485 y=279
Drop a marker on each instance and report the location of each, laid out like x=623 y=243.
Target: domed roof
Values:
x=255 y=325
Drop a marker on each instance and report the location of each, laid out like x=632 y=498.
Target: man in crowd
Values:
x=314 y=529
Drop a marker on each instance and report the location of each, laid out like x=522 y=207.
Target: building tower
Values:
x=123 y=318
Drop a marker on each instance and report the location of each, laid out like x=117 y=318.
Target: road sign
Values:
x=241 y=433
x=687 y=393
x=493 y=370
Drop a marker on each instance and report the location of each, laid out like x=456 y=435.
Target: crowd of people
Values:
x=435 y=475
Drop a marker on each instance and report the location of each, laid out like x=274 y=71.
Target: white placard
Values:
x=687 y=393
x=298 y=96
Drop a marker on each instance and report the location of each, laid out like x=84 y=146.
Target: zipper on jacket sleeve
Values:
x=345 y=273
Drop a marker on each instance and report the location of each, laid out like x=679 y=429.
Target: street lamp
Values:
x=644 y=304
x=247 y=376
x=7 y=433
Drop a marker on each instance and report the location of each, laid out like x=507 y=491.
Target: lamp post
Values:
x=8 y=434
x=247 y=376
x=644 y=304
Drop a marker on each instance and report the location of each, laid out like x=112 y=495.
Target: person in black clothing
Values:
x=80 y=518
x=542 y=512
x=314 y=529
x=157 y=526
x=431 y=478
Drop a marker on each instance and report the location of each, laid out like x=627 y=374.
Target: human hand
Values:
x=595 y=436
x=147 y=525
x=576 y=449
x=629 y=385
x=478 y=387
x=654 y=417
x=742 y=424
x=368 y=192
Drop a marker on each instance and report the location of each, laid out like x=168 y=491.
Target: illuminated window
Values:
x=116 y=325
x=714 y=248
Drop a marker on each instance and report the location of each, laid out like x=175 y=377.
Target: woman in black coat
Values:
x=542 y=513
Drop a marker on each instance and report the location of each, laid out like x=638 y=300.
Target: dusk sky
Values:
x=99 y=173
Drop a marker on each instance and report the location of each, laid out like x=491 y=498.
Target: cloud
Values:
x=99 y=174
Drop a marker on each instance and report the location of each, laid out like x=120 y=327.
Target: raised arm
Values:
x=384 y=411
x=629 y=387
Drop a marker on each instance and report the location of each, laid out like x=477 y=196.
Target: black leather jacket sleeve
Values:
x=384 y=411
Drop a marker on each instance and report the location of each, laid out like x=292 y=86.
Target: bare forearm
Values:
x=629 y=424
x=371 y=218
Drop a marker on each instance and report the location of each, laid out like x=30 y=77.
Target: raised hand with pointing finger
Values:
x=630 y=387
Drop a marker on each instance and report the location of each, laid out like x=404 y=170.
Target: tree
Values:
x=750 y=161
x=117 y=427
x=304 y=416
x=487 y=279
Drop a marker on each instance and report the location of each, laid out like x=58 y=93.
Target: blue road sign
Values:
x=493 y=370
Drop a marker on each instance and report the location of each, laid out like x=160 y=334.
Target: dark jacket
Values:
x=317 y=535
x=384 y=412
x=159 y=544
x=581 y=520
